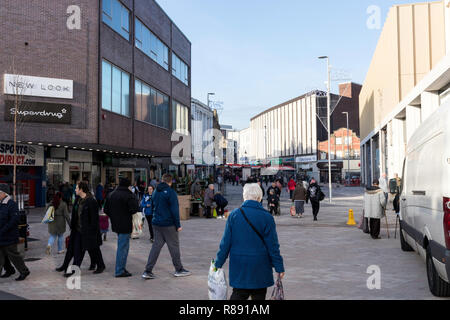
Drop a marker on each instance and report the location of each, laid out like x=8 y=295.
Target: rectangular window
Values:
x=179 y=69
x=115 y=89
x=180 y=117
x=151 y=45
x=338 y=141
x=152 y=106
x=117 y=16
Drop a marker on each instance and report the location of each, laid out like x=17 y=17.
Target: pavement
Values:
x=324 y=260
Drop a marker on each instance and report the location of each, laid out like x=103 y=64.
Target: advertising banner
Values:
x=27 y=156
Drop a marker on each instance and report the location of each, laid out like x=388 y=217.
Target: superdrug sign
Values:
x=39 y=112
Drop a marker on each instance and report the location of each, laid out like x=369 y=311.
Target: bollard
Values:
x=351 y=218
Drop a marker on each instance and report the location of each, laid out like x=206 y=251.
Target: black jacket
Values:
x=220 y=200
x=91 y=237
x=313 y=193
x=120 y=206
x=273 y=199
x=9 y=221
x=276 y=189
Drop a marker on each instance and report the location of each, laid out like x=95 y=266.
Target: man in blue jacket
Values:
x=166 y=226
x=9 y=233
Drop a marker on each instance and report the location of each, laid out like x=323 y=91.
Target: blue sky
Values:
x=255 y=54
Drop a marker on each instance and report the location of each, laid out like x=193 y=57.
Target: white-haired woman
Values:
x=252 y=246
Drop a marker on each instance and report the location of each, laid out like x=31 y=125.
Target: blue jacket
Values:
x=166 y=211
x=147 y=204
x=251 y=261
x=220 y=200
x=9 y=223
x=99 y=193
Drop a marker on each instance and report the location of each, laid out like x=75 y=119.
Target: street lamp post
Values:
x=214 y=151
x=348 y=150
x=329 y=123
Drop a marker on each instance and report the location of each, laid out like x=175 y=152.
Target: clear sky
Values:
x=255 y=54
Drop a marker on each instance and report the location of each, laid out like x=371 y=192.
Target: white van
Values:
x=425 y=199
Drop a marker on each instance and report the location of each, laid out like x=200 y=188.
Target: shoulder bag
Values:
x=253 y=227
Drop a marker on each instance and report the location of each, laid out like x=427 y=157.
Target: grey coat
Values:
x=209 y=197
x=58 y=226
x=374 y=203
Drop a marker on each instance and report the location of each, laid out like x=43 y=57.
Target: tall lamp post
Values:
x=348 y=150
x=329 y=123
x=214 y=164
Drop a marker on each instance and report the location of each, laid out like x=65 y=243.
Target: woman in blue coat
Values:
x=253 y=251
x=147 y=206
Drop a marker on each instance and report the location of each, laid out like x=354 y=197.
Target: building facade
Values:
x=289 y=134
x=103 y=97
x=202 y=136
x=408 y=80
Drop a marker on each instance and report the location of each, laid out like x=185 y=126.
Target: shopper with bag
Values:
x=120 y=206
x=166 y=223
x=208 y=201
x=253 y=248
x=57 y=227
x=374 y=208
x=299 y=199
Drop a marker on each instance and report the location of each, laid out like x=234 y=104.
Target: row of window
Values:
x=151 y=106
x=117 y=16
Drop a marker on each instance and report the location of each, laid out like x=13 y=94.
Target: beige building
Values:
x=407 y=80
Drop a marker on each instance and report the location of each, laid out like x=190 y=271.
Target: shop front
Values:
x=307 y=167
x=29 y=173
x=136 y=170
x=336 y=171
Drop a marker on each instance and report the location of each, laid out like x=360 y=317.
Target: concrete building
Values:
x=289 y=133
x=103 y=98
x=202 y=136
x=407 y=80
x=245 y=147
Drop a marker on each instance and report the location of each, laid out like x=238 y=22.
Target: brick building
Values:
x=101 y=100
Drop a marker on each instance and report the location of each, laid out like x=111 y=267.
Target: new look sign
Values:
x=38 y=86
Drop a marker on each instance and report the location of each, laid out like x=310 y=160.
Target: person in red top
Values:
x=291 y=186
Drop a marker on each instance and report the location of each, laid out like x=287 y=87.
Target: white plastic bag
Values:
x=49 y=215
x=138 y=225
x=217 y=284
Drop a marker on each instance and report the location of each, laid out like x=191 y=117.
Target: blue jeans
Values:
x=52 y=239
x=123 y=246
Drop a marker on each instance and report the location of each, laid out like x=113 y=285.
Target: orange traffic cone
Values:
x=351 y=218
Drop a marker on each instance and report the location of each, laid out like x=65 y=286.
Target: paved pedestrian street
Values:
x=323 y=260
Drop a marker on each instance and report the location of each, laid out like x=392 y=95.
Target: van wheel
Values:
x=405 y=246
x=438 y=287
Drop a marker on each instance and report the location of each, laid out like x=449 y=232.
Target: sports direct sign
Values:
x=26 y=156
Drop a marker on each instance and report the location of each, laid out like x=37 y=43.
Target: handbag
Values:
x=49 y=215
x=293 y=211
x=217 y=283
x=278 y=291
x=67 y=242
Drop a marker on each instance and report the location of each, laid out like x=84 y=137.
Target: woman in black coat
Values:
x=85 y=232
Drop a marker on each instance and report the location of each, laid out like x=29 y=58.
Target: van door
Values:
x=406 y=202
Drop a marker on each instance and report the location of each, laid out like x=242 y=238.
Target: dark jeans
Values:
x=165 y=235
x=208 y=212
x=220 y=211
x=245 y=294
x=291 y=194
x=375 y=226
x=315 y=208
x=13 y=254
x=123 y=248
x=150 y=227
x=8 y=266
x=273 y=210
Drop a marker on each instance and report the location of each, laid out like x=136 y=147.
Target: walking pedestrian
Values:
x=57 y=227
x=222 y=203
x=9 y=269
x=147 y=207
x=374 y=208
x=251 y=241
x=315 y=195
x=99 y=195
x=120 y=207
x=208 y=200
x=85 y=232
x=291 y=187
x=273 y=202
x=262 y=190
x=299 y=199
x=166 y=224
x=275 y=187
x=9 y=234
